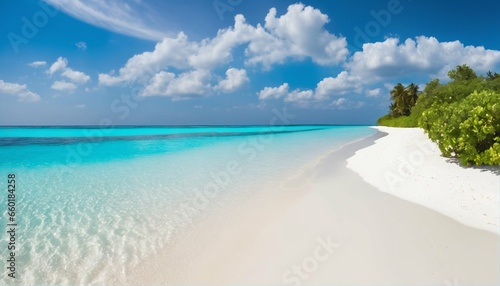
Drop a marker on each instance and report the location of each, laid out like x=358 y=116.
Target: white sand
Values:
x=406 y=164
x=325 y=227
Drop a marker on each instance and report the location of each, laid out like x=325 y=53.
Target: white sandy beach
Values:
x=328 y=226
x=407 y=164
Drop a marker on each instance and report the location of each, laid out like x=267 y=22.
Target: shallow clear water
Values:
x=91 y=205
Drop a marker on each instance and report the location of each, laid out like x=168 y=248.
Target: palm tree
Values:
x=394 y=111
x=492 y=76
x=412 y=95
x=398 y=96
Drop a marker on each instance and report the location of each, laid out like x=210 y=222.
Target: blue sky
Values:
x=230 y=61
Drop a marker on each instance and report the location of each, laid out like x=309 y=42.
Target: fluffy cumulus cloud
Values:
x=342 y=84
x=303 y=98
x=75 y=77
x=171 y=52
x=298 y=34
x=181 y=68
x=273 y=92
x=20 y=90
x=189 y=84
x=425 y=55
x=216 y=51
x=195 y=83
x=382 y=61
x=326 y=95
x=309 y=98
x=63 y=86
x=300 y=97
x=388 y=60
x=235 y=78
x=158 y=84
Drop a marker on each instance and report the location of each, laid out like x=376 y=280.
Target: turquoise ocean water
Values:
x=92 y=203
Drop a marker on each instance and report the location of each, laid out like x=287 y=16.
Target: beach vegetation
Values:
x=403 y=99
x=461 y=116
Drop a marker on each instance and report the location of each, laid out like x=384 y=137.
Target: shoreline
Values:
x=408 y=165
x=325 y=226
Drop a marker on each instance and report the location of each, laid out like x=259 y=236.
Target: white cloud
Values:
x=186 y=85
x=180 y=53
x=391 y=59
x=309 y=99
x=426 y=55
x=235 y=78
x=373 y=92
x=342 y=84
x=158 y=84
x=190 y=83
x=21 y=91
x=58 y=65
x=297 y=96
x=80 y=106
x=76 y=76
x=344 y=104
x=119 y=16
x=195 y=83
x=324 y=96
x=383 y=61
x=300 y=97
x=63 y=86
x=81 y=45
x=387 y=60
x=298 y=34
x=211 y=53
x=167 y=53
x=37 y=64
x=273 y=92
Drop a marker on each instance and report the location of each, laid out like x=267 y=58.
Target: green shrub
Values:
x=401 y=121
x=468 y=129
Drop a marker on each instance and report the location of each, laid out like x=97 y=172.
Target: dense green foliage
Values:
x=462 y=116
x=468 y=129
x=402 y=121
x=403 y=99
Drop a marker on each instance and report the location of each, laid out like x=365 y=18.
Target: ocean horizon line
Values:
x=175 y=126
